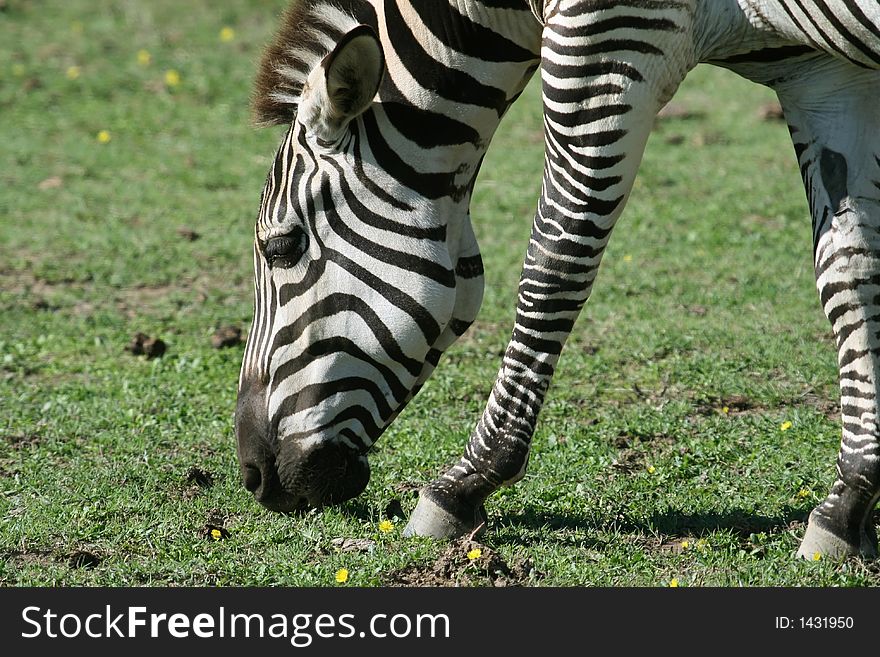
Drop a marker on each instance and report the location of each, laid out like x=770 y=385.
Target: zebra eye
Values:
x=286 y=250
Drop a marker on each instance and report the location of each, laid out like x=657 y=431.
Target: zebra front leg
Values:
x=599 y=106
x=553 y=287
x=833 y=116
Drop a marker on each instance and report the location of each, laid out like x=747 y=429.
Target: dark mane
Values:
x=308 y=30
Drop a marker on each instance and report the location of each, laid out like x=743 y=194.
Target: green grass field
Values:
x=660 y=457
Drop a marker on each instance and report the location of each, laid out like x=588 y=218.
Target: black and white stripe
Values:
x=390 y=273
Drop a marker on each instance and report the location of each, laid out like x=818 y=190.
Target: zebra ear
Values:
x=343 y=84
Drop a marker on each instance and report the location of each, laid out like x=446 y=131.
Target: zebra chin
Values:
x=307 y=477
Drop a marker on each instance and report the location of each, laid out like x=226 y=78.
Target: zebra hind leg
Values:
x=833 y=114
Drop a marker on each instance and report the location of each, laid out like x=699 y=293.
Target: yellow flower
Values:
x=476 y=553
x=216 y=534
x=725 y=409
x=73 y=72
x=816 y=556
x=651 y=469
x=685 y=545
x=785 y=426
x=627 y=258
x=342 y=575
x=144 y=58
x=386 y=526
x=701 y=543
x=803 y=492
x=103 y=136
x=172 y=78
x=227 y=34
x=673 y=583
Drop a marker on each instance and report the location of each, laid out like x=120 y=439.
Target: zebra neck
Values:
x=452 y=70
x=507 y=17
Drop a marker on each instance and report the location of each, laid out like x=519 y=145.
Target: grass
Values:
x=706 y=301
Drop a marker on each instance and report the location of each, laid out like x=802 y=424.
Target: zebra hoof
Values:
x=432 y=520
x=822 y=542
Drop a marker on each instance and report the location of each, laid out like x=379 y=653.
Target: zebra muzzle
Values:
x=300 y=478
x=326 y=472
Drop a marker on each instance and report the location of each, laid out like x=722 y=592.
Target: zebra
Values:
x=367 y=268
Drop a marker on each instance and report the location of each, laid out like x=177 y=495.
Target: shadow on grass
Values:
x=531 y=525
x=358 y=509
x=738 y=521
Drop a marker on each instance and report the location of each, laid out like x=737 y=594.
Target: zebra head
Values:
x=360 y=284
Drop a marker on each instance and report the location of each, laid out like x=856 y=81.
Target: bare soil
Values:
x=455 y=568
x=144 y=345
x=226 y=336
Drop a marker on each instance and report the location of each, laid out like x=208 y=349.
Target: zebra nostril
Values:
x=252 y=477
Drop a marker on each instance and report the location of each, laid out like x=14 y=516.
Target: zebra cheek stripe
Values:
x=391 y=105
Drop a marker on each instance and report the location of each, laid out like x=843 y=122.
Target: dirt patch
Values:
x=188 y=234
x=214 y=528
x=827 y=406
x=731 y=405
x=628 y=461
x=82 y=297
x=631 y=460
x=221 y=524
x=46 y=558
x=24 y=558
x=22 y=440
x=199 y=477
x=734 y=405
x=8 y=468
x=466 y=563
x=626 y=440
x=677 y=546
x=132 y=300
x=407 y=487
x=53 y=182
x=227 y=336
x=217 y=517
x=343 y=544
x=195 y=481
x=143 y=345
x=739 y=404
x=656 y=398
x=83 y=559
x=56 y=295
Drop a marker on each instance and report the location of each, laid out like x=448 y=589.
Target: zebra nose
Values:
x=255 y=455
x=252 y=477
x=260 y=478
